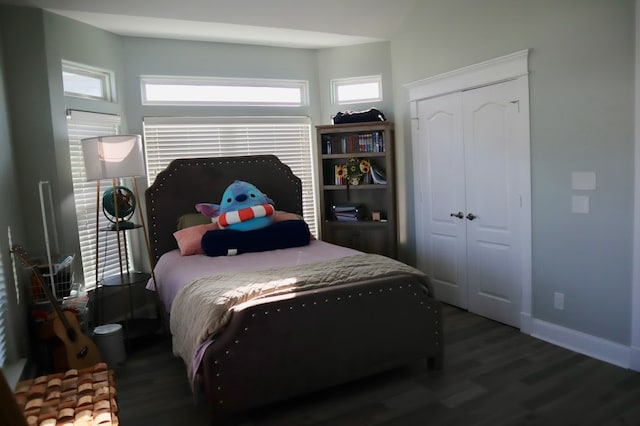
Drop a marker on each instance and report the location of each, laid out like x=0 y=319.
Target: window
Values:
x=84 y=81
x=356 y=90
x=84 y=125
x=157 y=90
x=289 y=138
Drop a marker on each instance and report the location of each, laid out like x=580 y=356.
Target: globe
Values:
x=126 y=206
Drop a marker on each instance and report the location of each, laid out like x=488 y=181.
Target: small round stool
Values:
x=110 y=340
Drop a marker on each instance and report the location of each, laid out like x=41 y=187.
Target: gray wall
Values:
x=33 y=139
x=29 y=107
x=40 y=99
x=73 y=41
x=354 y=61
x=581 y=88
x=38 y=110
x=146 y=56
x=11 y=208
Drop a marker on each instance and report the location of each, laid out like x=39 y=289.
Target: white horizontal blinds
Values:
x=288 y=138
x=82 y=125
x=3 y=315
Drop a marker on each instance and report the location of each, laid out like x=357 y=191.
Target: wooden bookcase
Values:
x=372 y=141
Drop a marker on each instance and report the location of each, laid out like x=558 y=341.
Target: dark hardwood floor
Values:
x=493 y=375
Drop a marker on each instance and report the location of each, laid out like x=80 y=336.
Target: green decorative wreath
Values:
x=356 y=169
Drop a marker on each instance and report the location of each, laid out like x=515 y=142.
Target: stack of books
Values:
x=347 y=212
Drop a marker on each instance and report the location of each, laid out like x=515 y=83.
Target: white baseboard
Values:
x=634 y=359
x=525 y=322
x=586 y=344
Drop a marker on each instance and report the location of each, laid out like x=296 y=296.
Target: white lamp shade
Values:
x=116 y=156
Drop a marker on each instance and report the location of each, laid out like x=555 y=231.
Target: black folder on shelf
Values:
x=347 y=212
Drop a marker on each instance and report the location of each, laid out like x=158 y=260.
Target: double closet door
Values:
x=468 y=199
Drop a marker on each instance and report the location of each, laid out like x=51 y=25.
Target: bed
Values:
x=374 y=315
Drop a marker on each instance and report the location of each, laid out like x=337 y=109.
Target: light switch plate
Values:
x=580 y=204
x=583 y=181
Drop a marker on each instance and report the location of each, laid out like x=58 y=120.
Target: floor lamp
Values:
x=115 y=157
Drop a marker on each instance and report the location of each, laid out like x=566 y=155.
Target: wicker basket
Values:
x=76 y=397
x=62 y=280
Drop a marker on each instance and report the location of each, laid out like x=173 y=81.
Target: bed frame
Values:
x=278 y=347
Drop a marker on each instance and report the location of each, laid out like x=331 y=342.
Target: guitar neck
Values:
x=46 y=286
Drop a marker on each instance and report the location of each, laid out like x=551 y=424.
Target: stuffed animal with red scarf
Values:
x=243 y=207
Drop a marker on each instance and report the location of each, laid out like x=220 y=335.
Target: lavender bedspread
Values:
x=173 y=271
x=202 y=307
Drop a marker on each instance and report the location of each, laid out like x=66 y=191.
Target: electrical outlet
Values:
x=558 y=300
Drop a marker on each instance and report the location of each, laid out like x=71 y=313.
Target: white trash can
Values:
x=110 y=340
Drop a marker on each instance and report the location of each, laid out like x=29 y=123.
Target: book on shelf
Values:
x=346 y=218
x=377 y=175
x=353 y=143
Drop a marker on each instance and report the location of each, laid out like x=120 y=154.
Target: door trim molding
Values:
x=635 y=283
x=509 y=67
x=493 y=71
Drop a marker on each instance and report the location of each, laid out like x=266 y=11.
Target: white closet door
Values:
x=440 y=178
x=490 y=117
x=468 y=200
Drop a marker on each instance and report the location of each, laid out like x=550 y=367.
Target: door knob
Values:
x=459 y=215
x=471 y=216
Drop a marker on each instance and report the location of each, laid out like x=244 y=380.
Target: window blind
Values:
x=3 y=314
x=289 y=138
x=82 y=125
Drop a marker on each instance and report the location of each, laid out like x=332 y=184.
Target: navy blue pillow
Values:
x=279 y=235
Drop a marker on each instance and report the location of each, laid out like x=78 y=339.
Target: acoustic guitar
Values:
x=80 y=351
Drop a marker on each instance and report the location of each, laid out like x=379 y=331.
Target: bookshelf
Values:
x=366 y=219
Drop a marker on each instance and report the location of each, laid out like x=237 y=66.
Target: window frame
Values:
x=226 y=82
x=106 y=78
x=337 y=83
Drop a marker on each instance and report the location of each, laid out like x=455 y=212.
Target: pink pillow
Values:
x=189 y=238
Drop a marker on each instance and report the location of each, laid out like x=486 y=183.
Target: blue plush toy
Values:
x=243 y=208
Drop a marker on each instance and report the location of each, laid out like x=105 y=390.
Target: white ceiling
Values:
x=288 y=23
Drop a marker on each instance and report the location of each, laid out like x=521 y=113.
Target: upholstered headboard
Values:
x=186 y=182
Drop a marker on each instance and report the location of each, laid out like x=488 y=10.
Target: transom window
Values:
x=84 y=81
x=217 y=91
x=356 y=90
